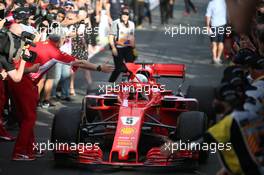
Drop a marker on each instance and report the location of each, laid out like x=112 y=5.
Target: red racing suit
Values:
x=25 y=93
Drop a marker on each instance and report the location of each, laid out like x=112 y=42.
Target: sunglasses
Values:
x=69 y=7
x=125 y=13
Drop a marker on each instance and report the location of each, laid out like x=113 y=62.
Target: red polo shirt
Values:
x=48 y=54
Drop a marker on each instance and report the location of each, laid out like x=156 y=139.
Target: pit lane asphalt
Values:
x=153 y=45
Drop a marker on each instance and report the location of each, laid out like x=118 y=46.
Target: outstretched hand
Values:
x=107 y=68
x=78 y=63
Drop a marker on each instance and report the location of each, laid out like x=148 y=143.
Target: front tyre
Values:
x=191 y=126
x=65 y=129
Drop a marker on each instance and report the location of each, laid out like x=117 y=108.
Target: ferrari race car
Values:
x=126 y=125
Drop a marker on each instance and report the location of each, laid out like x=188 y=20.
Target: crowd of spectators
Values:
x=239 y=98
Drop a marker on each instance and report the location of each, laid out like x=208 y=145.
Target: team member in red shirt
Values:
x=25 y=93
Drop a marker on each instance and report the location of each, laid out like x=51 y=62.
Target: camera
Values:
x=50 y=17
x=28 y=38
x=31 y=58
x=55 y=25
x=12 y=44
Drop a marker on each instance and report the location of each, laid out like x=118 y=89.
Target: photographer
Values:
x=5 y=57
x=6 y=64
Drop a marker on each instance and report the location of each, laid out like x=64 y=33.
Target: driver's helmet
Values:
x=142 y=78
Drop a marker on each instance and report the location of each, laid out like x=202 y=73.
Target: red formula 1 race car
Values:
x=128 y=123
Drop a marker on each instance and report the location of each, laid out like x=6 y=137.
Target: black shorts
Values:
x=219 y=34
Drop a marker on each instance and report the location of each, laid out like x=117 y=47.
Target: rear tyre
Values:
x=191 y=126
x=205 y=96
x=65 y=129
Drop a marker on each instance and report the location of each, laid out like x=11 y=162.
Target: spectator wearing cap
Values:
x=17 y=15
x=12 y=7
x=236 y=76
x=23 y=16
x=243 y=56
x=256 y=69
x=68 y=6
x=242 y=59
x=55 y=2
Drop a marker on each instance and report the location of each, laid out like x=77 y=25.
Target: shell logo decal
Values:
x=127 y=131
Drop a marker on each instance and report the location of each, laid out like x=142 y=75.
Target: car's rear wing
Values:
x=162 y=70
